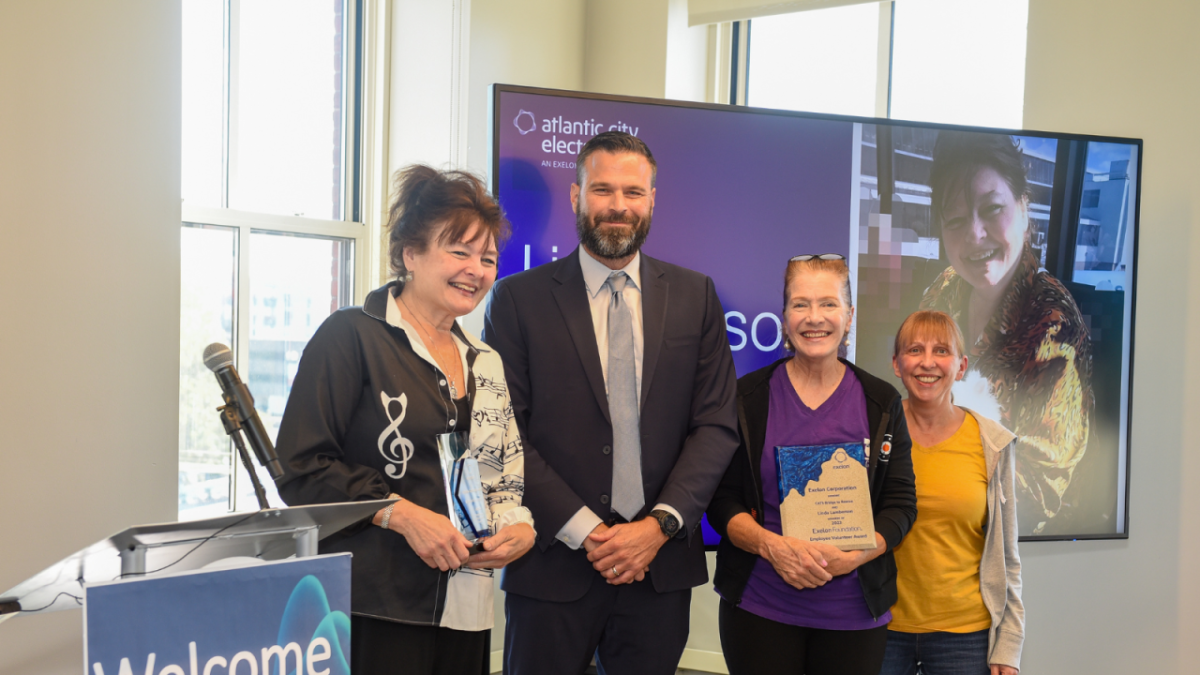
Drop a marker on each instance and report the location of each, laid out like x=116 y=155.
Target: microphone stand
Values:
x=233 y=427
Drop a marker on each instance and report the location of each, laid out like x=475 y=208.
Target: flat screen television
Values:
x=740 y=190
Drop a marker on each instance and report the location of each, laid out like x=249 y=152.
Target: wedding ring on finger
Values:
x=615 y=572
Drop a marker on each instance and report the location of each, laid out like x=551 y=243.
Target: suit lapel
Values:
x=572 y=299
x=654 y=318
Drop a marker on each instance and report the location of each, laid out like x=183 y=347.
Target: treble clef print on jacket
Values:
x=393 y=427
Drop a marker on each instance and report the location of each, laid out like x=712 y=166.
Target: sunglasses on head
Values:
x=821 y=256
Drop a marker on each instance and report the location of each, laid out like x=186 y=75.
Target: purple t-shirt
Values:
x=839 y=604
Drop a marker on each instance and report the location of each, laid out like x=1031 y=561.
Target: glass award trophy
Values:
x=464 y=488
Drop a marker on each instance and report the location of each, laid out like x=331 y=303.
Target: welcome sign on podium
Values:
x=824 y=495
x=289 y=617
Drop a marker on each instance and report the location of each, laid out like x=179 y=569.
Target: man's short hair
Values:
x=615 y=142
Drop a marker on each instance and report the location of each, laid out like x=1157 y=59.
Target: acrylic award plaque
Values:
x=824 y=496
x=464 y=487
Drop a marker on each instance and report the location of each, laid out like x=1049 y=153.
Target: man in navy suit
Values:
x=623 y=387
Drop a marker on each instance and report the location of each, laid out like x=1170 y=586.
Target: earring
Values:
x=846 y=342
x=408 y=276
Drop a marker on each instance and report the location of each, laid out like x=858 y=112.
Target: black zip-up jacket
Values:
x=893 y=488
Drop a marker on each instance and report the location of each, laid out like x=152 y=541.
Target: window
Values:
x=960 y=62
x=270 y=242
x=822 y=60
x=944 y=61
x=1103 y=247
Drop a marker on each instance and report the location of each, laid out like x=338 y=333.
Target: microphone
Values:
x=219 y=359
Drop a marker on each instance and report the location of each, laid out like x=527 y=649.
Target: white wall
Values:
x=1128 y=69
x=536 y=43
x=428 y=83
x=626 y=51
x=687 y=66
x=89 y=267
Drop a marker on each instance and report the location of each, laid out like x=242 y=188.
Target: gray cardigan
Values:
x=1000 y=567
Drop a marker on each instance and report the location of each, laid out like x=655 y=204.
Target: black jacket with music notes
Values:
x=366 y=406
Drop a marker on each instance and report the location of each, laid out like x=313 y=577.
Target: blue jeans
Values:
x=936 y=654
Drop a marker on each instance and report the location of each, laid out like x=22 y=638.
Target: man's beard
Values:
x=615 y=243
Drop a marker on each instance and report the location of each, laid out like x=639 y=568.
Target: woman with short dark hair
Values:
x=376 y=386
x=1025 y=334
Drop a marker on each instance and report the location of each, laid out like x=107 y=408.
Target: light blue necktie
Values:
x=628 y=497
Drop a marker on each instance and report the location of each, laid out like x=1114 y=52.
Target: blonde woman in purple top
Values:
x=790 y=605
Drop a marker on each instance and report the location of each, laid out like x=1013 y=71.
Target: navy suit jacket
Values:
x=540 y=322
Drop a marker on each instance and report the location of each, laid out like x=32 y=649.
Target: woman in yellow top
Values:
x=959 y=574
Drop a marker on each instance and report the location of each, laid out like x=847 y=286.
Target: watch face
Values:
x=672 y=525
x=668 y=523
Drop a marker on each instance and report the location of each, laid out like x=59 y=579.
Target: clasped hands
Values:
x=622 y=553
x=809 y=564
x=440 y=545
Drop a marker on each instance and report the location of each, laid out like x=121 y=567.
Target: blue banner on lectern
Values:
x=283 y=618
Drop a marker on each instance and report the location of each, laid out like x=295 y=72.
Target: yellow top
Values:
x=938 y=562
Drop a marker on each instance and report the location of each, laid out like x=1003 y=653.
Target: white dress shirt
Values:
x=595 y=274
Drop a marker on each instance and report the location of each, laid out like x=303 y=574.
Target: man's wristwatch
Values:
x=668 y=523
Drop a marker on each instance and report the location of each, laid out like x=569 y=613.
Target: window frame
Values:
x=739 y=60
x=364 y=185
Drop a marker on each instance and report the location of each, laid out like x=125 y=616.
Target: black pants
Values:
x=631 y=630
x=379 y=647
x=757 y=646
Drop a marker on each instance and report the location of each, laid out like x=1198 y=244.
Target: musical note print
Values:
x=404 y=445
x=492 y=416
x=495 y=386
x=491 y=456
x=501 y=498
x=512 y=485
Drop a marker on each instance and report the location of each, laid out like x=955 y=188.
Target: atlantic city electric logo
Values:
x=563 y=136
x=527 y=125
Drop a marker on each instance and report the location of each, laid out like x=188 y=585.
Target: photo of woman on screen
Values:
x=1030 y=350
